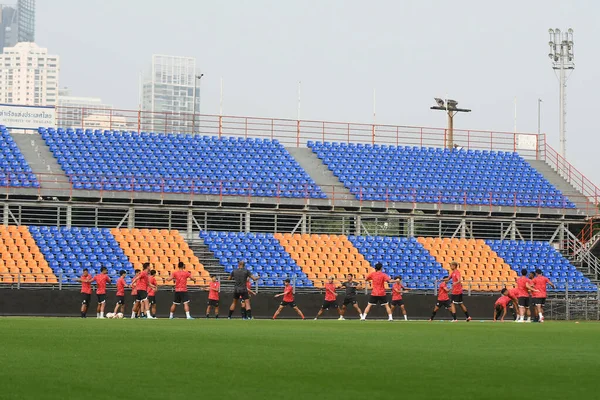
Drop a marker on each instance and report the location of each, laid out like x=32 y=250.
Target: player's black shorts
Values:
x=539 y=301
x=142 y=295
x=241 y=294
x=524 y=301
x=329 y=304
x=349 y=300
x=85 y=298
x=120 y=300
x=398 y=302
x=152 y=299
x=212 y=303
x=101 y=298
x=288 y=303
x=443 y=303
x=181 y=297
x=374 y=300
x=135 y=298
x=457 y=298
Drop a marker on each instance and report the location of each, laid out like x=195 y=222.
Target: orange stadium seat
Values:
x=321 y=256
x=482 y=269
x=21 y=259
x=163 y=249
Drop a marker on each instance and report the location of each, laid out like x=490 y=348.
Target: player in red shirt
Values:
x=86 y=291
x=443 y=300
x=288 y=299
x=213 y=296
x=525 y=287
x=378 y=296
x=397 y=289
x=121 y=292
x=457 y=291
x=180 y=277
x=514 y=305
x=539 y=297
x=142 y=281
x=101 y=280
x=135 y=311
x=152 y=288
x=501 y=305
x=243 y=302
x=330 y=297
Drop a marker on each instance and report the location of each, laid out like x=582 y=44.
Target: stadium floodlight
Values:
x=562 y=56
x=450 y=106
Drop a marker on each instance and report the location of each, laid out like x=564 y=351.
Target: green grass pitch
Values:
x=54 y=358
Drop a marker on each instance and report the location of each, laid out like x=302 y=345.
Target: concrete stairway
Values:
x=206 y=257
x=319 y=172
x=40 y=159
x=559 y=182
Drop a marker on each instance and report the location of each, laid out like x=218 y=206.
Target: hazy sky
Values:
x=482 y=53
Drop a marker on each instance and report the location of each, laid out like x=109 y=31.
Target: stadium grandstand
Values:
x=299 y=200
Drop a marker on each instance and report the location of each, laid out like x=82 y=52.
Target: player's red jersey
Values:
x=288 y=294
x=540 y=282
x=456 y=287
x=503 y=301
x=121 y=286
x=213 y=292
x=86 y=284
x=379 y=279
x=134 y=289
x=101 y=281
x=249 y=285
x=152 y=280
x=329 y=288
x=181 y=278
x=397 y=291
x=142 y=283
x=443 y=292
x=522 y=286
x=513 y=293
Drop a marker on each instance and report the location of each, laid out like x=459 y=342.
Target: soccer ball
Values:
x=120 y=315
x=110 y=315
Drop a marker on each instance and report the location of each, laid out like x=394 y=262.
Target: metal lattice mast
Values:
x=562 y=56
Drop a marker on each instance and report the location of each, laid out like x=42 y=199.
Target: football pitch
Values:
x=69 y=358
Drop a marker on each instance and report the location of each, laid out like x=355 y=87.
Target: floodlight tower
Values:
x=451 y=110
x=561 y=54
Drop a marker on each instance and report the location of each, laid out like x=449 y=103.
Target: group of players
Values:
x=144 y=287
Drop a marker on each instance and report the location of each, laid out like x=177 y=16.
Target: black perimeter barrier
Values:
x=66 y=303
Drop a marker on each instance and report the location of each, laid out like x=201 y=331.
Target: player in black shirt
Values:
x=351 y=287
x=240 y=291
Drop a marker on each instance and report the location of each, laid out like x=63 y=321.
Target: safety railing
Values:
x=222 y=190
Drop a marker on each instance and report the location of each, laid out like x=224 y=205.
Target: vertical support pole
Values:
x=561 y=236
x=357 y=225
x=513 y=230
x=450 y=130
x=567 y=310
x=190 y=224
x=247 y=224
x=5 y=214
x=69 y=215
x=303 y=224
x=411 y=227
x=463 y=229
x=131 y=218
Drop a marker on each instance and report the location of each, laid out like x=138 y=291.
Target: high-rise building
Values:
x=168 y=92
x=77 y=111
x=17 y=23
x=28 y=75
